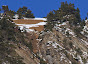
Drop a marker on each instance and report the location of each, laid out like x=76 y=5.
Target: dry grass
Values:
x=32 y=38
x=30 y=21
x=25 y=21
x=40 y=28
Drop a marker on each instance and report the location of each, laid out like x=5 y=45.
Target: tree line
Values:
x=66 y=12
x=22 y=12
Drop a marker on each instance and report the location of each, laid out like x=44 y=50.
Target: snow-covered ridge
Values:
x=28 y=26
x=32 y=25
x=44 y=19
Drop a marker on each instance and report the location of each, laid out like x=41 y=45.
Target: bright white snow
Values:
x=27 y=26
x=44 y=19
x=32 y=25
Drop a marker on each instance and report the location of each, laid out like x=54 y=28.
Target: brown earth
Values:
x=27 y=56
x=25 y=52
x=25 y=21
x=40 y=28
x=32 y=38
x=30 y=21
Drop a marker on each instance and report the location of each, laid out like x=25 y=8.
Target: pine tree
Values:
x=66 y=12
x=50 y=22
x=19 y=12
x=50 y=16
x=77 y=14
x=11 y=13
x=25 y=12
x=8 y=12
x=86 y=18
x=5 y=8
x=28 y=14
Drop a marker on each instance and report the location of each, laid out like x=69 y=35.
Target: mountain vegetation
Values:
x=22 y=12
x=66 y=12
x=64 y=41
x=8 y=37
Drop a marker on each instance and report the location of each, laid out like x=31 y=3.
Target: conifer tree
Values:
x=19 y=12
x=66 y=12
x=25 y=12
x=5 y=8
x=86 y=18
x=28 y=14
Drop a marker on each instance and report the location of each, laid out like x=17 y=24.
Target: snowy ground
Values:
x=27 y=26
x=44 y=19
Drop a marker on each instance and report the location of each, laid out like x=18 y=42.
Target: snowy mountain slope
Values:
x=63 y=46
x=27 y=25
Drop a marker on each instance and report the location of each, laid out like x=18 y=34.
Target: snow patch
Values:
x=32 y=25
x=27 y=26
x=64 y=23
x=44 y=19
